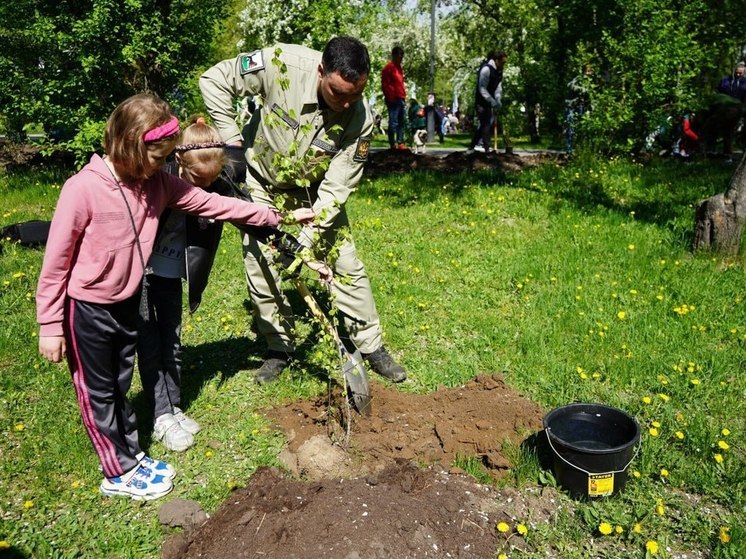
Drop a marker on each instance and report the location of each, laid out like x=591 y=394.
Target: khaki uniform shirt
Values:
x=328 y=148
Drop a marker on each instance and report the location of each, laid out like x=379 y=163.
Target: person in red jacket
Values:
x=394 y=93
x=689 y=137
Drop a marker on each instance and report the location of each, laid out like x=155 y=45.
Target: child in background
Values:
x=199 y=161
x=185 y=248
x=102 y=233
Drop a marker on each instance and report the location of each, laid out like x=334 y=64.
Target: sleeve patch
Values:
x=251 y=62
x=361 y=152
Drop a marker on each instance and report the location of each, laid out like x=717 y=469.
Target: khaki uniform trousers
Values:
x=353 y=299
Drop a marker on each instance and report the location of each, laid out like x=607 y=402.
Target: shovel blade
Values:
x=357 y=382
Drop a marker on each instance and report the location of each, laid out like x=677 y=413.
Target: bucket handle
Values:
x=586 y=472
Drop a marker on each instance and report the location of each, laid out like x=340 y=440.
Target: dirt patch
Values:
x=389 y=161
x=393 y=493
x=469 y=421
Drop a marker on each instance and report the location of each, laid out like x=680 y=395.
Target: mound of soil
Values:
x=371 y=499
x=393 y=161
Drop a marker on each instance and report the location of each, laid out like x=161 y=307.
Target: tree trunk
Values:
x=720 y=219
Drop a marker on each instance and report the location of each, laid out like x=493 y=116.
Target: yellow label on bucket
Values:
x=600 y=485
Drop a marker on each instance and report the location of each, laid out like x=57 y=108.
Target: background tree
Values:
x=66 y=64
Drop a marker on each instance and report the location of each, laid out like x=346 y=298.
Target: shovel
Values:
x=353 y=369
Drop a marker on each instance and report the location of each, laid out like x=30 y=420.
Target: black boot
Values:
x=383 y=364
x=273 y=365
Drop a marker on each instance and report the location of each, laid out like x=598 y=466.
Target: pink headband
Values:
x=170 y=128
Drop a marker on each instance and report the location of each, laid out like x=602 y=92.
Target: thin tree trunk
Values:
x=720 y=219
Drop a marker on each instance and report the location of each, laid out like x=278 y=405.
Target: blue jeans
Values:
x=396 y=121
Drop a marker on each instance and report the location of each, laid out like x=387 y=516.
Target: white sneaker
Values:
x=480 y=149
x=187 y=423
x=157 y=466
x=174 y=437
x=139 y=484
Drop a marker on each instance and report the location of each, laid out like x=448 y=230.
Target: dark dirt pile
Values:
x=373 y=501
x=393 y=161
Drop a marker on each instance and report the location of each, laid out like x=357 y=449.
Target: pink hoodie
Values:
x=91 y=253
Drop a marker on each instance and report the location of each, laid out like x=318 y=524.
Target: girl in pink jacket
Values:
x=102 y=234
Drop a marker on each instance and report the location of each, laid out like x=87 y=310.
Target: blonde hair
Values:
x=123 y=137
x=200 y=145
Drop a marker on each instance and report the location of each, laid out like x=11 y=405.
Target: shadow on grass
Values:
x=663 y=192
x=228 y=357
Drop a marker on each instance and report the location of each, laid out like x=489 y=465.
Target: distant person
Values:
x=735 y=84
x=88 y=295
x=395 y=94
x=728 y=106
x=689 y=140
x=577 y=104
x=418 y=125
x=488 y=97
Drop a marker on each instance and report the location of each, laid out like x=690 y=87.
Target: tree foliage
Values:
x=68 y=62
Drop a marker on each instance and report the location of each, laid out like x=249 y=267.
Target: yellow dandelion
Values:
x=28 y=504
x=646 y=399
x=656 y=424
x=679 y=435
x=653 y=432
x=652 y=547
x=725 y=432
x=660 y=510
x=19 y=427
x=664 y=397
x=637 y=528
x=664 y=472
x=630 y=247
x=502 y=556
x=695 y=381
x=723 y=445
x=724 y=534
x=621 y=315
x=583 y=376
x=619 y=529
x=502 y=527
x=636 y=474
x=209 y=454
x=522 y=529
x=605 y=528
x=718 y=458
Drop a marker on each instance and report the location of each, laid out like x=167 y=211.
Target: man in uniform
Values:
x=305 y=145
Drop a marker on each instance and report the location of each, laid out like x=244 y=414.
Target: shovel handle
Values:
x=316 y=311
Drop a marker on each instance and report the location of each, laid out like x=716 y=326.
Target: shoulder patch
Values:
x=362 y=149
x=252 y=62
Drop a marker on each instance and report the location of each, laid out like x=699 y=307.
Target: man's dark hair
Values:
x=397 y=51
x=496 y=55
x=347 y=56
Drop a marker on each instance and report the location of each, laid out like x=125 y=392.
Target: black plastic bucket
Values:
x=592 y=447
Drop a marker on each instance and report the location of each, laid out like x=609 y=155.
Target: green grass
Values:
x=576 y=282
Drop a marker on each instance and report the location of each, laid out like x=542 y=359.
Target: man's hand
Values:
x=302 y=216
x=52 y=347
x=325 y=272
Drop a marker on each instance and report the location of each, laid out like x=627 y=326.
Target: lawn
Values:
x=576 y=282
